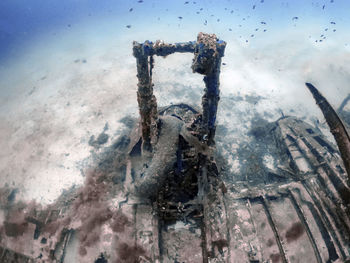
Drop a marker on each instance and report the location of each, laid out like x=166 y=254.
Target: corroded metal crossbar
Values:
x=208 y=51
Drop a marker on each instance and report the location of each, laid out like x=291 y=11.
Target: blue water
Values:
x=250 y=21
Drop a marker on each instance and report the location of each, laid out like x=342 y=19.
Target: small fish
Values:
x=201 y=9
x=332 y=1
x=264 y=30
x=295 y=18
x=334 y=30
x=197 y=12
x=263 y=23
x=256 y=29
x=130 y=10
x=326 y=29
x=333 y=23
x=128 y=26
x=180 y=17
x=230 y=29
x=224 y=63
x=218 y=20
x=262 y=1
x=69 y=25
x=140 y=1
x=231 y=12
x=253 y=6
x=323 y=7
x=205 y=22
x=186 y=3
x=252 y=35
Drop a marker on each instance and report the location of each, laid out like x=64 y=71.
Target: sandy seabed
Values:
x=59 y=91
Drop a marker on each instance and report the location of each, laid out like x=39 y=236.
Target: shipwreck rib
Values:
x=335 y=124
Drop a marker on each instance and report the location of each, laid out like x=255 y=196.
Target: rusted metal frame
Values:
x=208 y=52
x=143 y=52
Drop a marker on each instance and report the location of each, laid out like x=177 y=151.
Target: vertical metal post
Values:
x=145 y=98
x=207 y=61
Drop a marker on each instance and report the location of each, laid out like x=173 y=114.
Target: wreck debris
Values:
x=335 y=124
x=307 y=209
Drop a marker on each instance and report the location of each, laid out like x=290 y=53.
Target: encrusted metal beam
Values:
x=145 y=98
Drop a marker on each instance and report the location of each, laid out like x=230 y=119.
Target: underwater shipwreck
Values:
x=163 y=192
